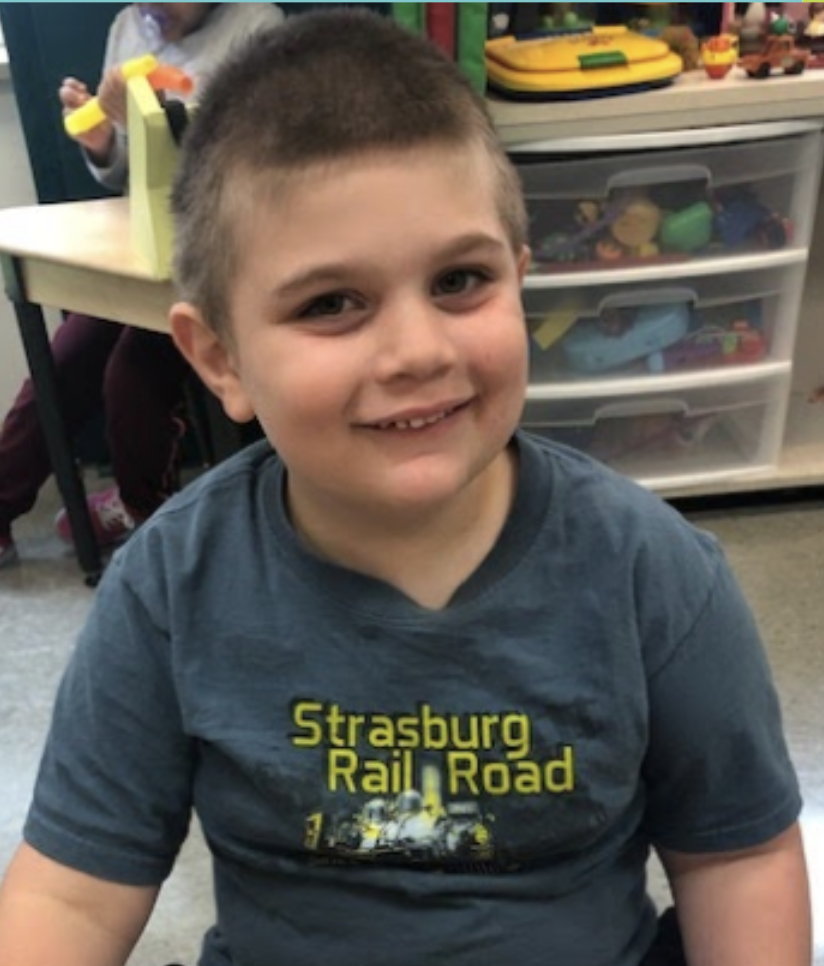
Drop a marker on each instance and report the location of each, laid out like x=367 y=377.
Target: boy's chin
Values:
x=430 y=490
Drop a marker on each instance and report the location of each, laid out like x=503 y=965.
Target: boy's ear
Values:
x=211 y=359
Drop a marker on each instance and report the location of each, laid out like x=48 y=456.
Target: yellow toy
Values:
x=595 y=62
x=159 y=76
x=153 y=156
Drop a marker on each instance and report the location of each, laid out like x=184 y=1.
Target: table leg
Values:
x=37 y=346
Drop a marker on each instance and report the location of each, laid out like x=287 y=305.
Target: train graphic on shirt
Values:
x=414 y=826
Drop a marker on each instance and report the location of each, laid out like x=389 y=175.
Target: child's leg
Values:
x=80 y=348
x=143 y=393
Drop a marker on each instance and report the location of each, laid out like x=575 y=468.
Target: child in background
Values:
x=136 y=376
x=434 y=687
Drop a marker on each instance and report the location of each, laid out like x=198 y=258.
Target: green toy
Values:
x=688 y=230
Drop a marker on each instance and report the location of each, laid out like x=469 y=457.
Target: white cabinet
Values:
x=664 y=297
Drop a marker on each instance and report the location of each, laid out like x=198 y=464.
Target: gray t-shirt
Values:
x=382 y=784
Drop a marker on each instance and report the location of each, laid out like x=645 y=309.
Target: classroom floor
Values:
x=776 y=548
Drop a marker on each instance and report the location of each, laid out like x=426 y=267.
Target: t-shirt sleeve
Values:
x=115 y=174
x=113 y=795
x=718 y=773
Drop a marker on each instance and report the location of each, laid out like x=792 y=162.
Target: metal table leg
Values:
x=35 y=337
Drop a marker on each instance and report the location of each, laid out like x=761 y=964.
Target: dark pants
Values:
x=667 y=950
x=137 y=378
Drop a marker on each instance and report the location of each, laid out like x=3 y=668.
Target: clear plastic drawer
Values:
x=713 y=322
x=673 y=438
x=670 y=205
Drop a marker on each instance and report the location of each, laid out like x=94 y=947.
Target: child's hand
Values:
x=112 y=96
x=74 y=94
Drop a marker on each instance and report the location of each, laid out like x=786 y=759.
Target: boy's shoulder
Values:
x=224 y=480
x=585 y=484
x=597 y=507
x=224 y=497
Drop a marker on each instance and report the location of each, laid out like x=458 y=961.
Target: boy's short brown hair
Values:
x=327 y=85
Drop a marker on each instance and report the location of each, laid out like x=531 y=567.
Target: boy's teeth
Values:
x=415 y=423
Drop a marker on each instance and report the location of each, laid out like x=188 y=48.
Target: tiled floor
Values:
x=777 y=551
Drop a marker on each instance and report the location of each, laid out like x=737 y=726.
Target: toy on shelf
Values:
x=751 y=28
x=711 y=346
x=682 y=41
x=719 y=55
x=662 y=337
x=591 y=220
x=742 y=221
x=810 y=35
x=160 y=77
x=780 y=52
x=689 y=230
x=622 y=336
x=814 y=28
x=593 y=62
x=634 y=228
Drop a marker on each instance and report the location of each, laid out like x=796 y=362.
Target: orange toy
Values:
x=719 y=54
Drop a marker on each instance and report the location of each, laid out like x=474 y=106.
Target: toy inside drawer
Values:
x=648 y=207
x=708 y=322
x=672 y=439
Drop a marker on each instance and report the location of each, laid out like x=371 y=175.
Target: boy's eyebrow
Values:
x=336 y=273
x=330 y=274
x=472 y=243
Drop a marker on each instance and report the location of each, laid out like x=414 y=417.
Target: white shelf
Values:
x=693 y=100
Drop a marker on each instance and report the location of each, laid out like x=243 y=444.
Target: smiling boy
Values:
x=385 y=352
x=433 y=687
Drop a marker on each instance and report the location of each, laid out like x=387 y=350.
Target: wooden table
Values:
x=76 y=256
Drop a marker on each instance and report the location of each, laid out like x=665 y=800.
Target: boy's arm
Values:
x=52 y=914
x=744 y=908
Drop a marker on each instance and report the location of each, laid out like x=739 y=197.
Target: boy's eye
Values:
x=459 y=281
x=334 y=303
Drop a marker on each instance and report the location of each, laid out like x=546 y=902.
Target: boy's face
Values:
x=377 y=330
x=174 y=21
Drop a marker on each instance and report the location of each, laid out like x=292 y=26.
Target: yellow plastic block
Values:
x=552 y=327
x=153 y=158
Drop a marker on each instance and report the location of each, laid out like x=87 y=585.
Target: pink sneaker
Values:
x=111 y=520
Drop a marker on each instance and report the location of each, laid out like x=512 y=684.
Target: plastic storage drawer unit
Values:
x=672 y=438
x=642 y=329
x=750 y=193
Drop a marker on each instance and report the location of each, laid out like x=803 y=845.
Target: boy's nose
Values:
x=414 y=339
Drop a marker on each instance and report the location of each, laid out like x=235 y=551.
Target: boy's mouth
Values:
x=408 y=423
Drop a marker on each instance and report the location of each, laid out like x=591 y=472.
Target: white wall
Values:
x=16 y=188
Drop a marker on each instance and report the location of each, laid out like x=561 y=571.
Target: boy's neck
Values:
x=426 y=558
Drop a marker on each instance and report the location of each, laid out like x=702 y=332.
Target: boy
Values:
x=434 y=687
